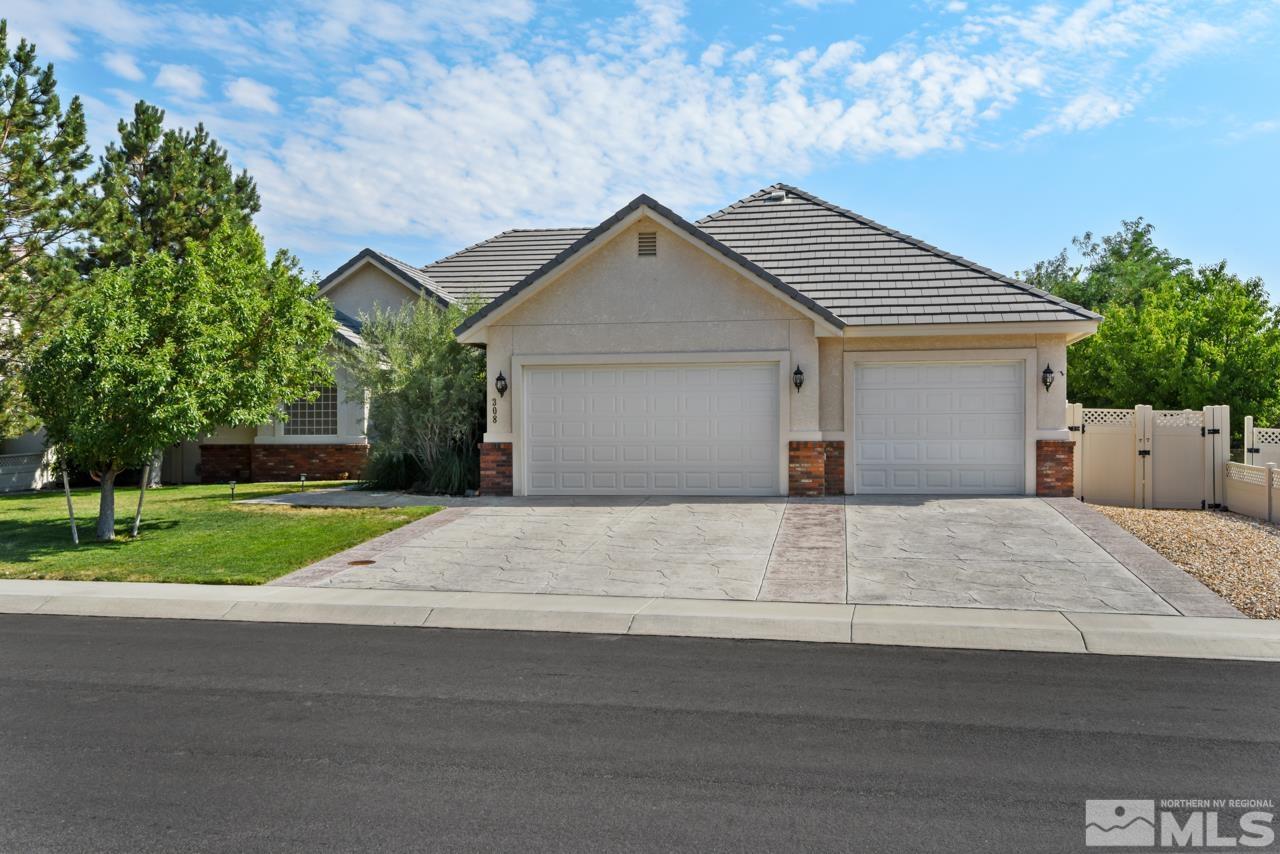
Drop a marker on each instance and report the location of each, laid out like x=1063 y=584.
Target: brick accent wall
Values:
x=815 y=468
x=317 y=462
x=495 y=468
x=1055 y=468
x=221 y=463
x=245 y=463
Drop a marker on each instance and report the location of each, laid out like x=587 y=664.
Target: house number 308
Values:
x=495 y=409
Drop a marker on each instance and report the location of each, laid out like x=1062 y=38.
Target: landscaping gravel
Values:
x=1236 y=556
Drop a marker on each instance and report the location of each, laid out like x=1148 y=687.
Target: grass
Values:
x=190 y=534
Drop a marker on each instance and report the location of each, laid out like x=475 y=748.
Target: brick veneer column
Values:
x=221 y=463
x=317 y=462
x=835 y=468
x=815 y=468
x=1055 y=468
x=495 y=468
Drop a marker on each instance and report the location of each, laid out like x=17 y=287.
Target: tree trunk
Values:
x=152 y=480
x=142 y=492
x=107 y=506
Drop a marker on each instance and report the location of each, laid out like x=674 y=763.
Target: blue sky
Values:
x=994 y=130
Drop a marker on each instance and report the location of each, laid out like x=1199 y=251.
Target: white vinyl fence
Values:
x=24 y=471
x=1143 y=457
x=1261 y=444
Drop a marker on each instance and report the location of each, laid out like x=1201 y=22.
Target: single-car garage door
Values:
x=659 y=429
x=939 y=427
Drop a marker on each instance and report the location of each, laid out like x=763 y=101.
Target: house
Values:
x=782 y=345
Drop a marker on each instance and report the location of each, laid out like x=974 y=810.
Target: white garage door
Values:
x=934 y=427
x=662 y=430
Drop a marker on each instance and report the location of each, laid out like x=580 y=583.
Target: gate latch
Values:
x=1145 y=452
x=1211 y=431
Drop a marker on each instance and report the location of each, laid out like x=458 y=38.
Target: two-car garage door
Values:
x=934 y=427
x=657 y=429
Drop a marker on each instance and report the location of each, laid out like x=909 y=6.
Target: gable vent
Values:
x=647 y=243
x=778 y=196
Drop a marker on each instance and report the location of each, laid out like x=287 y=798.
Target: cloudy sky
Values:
x=995 y=130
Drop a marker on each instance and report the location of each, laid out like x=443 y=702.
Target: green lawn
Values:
x=188 y=534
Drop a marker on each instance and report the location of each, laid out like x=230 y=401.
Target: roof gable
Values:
x=624 y=215
x=406 y=274
x=868 y=274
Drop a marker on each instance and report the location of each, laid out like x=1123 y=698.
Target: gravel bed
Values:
x=1235 y=556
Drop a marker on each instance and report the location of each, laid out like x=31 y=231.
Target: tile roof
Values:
x=348 y=329
x=868 y=274
x=490 y=267
x=842 y=264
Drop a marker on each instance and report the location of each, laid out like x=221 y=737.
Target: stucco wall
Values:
x=365 y=288
x=682 y=300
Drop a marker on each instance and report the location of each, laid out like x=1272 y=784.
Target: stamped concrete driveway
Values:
x=1015 y=552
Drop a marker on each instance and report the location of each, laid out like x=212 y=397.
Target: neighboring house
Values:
x=783 y=345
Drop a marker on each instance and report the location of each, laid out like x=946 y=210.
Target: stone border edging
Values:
x=897 y=625
x=1170 y=582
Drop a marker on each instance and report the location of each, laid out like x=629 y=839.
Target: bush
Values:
x=426 y=398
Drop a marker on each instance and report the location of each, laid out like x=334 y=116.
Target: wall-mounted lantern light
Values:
x=500 y=383
x=797 y=377
x=1046 y=377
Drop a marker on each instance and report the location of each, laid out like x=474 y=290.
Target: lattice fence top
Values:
x=1107 y=416
x=1266 y=435
x=1256 y=475
x=20 y=462
x=1178 y=417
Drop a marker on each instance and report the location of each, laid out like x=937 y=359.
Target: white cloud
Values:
x=123 y=65
x=55 y=27
x=181 y=80
x=518 y=117
x=252 y=95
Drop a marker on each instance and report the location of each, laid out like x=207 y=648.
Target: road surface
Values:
x=149 y=735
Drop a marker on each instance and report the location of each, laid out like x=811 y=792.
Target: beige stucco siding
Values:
x=683 y=300
x=368 y=287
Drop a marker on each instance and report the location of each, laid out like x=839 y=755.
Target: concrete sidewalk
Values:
x=963 y=628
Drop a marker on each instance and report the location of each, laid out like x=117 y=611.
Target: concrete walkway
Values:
x=967 y=628
x=1016 y=553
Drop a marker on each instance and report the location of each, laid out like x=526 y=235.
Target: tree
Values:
x=170 y=347
x=44 y=204
x=426 y=396
x=161 y=191
x=1173 y=336
x=1118 y=269
x=163 y=188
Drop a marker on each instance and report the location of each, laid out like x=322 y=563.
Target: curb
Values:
x=897 y=625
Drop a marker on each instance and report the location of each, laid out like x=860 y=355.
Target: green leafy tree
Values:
x=163 y=188
x=43 y=207
x=1173 y=336
x=426 y=396
x=170 y=347
x=161 y=191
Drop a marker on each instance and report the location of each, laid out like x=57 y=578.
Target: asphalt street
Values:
x=149 y=735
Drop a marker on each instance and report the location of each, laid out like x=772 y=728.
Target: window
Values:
x=318 y=417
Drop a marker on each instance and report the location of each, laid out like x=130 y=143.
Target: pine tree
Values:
x=44 y=204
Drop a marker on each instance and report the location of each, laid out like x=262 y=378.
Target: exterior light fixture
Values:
x=233 y=490
x=302 y=478
x=797 y=377
x=500 y=383
x=1046 y=377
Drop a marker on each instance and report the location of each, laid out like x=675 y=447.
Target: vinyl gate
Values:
x=1142 y=457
